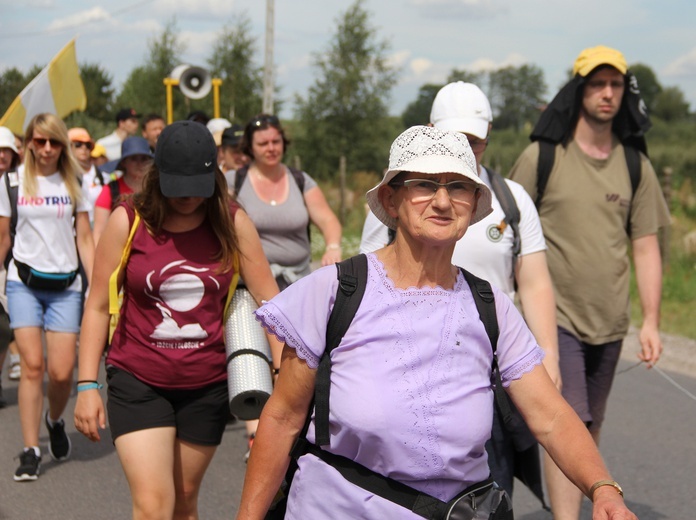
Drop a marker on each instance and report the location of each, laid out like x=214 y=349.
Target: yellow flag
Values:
x=57 y=89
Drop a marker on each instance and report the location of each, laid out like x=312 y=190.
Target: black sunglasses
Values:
x=41 y=142
x=80 y=144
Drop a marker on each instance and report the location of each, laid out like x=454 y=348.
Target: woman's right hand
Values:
x=89 y=414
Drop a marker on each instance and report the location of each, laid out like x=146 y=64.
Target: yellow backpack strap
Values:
x=233 y=286
x=114 y=299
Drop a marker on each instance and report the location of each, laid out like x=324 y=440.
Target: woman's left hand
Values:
x=331 y=256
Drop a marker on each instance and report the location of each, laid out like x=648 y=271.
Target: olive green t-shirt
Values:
x=584 y=214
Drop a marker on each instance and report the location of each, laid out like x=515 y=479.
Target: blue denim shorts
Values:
x=56 y=311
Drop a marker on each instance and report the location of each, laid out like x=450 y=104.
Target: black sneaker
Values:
x=29 y=466
x=59 y=445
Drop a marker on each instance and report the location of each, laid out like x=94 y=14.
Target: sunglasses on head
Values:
x=41 y=142
x=265 y=120
x=80 y=144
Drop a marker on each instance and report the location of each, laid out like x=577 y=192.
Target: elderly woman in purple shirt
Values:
x=411 y=393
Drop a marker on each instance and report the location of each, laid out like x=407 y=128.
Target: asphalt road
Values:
x=648 y=444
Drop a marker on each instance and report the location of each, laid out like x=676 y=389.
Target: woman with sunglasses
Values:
x=93 y=179
x=411 y=381
x=135 y=161
x=43 y=289
x=270 y=193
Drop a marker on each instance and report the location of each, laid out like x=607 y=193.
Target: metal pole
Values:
x=268 y=86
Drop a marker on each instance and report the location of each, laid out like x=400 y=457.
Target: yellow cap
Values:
x=591 y=58
x=98 y=151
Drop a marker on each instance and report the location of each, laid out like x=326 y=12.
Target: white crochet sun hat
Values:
x=432 y=151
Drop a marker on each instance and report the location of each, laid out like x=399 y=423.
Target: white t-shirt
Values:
x=91 y=187
x=45 y=237
x=482 y=250
x=112 y=144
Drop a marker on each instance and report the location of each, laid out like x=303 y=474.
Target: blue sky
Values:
x=427 y=38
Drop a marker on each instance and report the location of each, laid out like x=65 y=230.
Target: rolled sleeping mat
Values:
x=249 y=366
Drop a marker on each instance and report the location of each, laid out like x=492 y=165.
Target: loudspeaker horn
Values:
x=194 y=82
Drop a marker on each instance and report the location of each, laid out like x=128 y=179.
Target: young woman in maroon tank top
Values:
x=167 y=390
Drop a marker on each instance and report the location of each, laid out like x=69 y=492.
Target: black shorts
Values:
x=199 y=416
x=587 y=372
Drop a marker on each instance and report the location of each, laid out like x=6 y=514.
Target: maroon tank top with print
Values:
x=170 y=333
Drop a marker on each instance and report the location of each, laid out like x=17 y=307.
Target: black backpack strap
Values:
x=299 y=178
x=634 y=173
x=352 y=279
x=99 y=176
x=239 y=178
x=512 y=213
x=485 y=304
x=115 y=193
x=547 y=155
x=12 y=185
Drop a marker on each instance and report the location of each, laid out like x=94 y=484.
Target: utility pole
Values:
x=268 y=86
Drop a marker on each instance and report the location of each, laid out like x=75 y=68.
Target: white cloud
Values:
x=217 y=8
x=684 y=66
x=513 y=59
x=459 y=8
x=96 y=14
x=399 y=59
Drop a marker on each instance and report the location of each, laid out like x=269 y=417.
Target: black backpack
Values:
x=547 y=155
x=352 y=277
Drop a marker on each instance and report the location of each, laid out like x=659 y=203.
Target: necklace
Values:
x=273 y=196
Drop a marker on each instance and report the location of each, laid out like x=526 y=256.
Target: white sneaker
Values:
x=15 y=371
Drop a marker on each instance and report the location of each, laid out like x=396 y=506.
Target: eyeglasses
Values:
x=80 y=144
x=265 y=119
x=478 y=144
x=424 y=190
x=40 y=142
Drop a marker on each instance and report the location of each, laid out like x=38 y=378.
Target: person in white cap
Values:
x=411 y=390
x=592 y=204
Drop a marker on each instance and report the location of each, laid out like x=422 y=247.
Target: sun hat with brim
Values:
x=129 y=147
x=7 y=139
x=431 y=151
x=186 y=157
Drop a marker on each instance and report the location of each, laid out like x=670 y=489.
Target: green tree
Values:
x=478 y=78
x=144 y=88
x=345 y=112
x=516 y=95
x=647 y=83
x=232 y=61
x=671 y=105
x=100 y=93
x=12 y=81
x=418 y=112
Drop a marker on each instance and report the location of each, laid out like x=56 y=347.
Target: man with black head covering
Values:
x=595 y=190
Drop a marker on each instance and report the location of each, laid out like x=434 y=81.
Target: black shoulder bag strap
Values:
x=547 y=155
x=512 y=214
x=485 y=304
x=352 y=279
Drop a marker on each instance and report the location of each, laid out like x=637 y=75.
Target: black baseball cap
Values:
x=126 y=113
x=186 y=157
x=232 y=136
